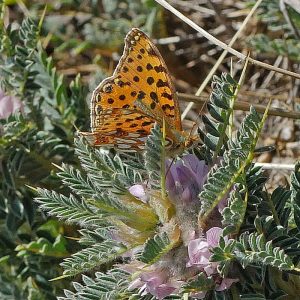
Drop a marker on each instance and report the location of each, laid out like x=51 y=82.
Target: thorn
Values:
x=57 y=166
x=59 y=277
x=32 y=188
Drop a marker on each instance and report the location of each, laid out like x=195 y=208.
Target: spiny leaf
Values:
x=92 y=257
x=234 y=163
x=155 y=247
x=68 y=208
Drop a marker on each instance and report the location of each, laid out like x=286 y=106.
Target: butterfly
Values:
x=125 y=106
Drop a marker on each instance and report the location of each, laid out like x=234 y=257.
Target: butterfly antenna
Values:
x=188 y=108
x=219 y=61
x=172 y=162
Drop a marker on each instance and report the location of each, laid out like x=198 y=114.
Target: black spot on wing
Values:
x=160 y=69
x=141 y=95
x=149 y=67
x=146 y=123
x=167 y=95
x=161 y=83
x=154 y=97
x=150 y=80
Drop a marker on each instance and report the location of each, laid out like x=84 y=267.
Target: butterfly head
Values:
x=179 y=142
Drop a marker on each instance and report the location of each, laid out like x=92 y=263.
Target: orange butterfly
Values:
x=125 y=106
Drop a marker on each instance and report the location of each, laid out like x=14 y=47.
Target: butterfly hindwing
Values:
x=121 y=129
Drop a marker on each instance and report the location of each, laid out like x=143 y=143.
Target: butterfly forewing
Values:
x=150 y=72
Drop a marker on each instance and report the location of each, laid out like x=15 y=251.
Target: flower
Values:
x=184 y=181
x=199 y=249
x=9 y=105
x=199 y=255
x=157 y=284
x=138 y=191
x=186 y=177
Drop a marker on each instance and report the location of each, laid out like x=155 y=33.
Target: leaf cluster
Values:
x=29 y=143
x=257 y=237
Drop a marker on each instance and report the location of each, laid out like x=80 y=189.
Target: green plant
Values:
x=29 y=143
x=42 y=134
x=286 y=41
x=170 y=243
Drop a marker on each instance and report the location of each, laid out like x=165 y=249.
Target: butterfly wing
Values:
x=121 y=129
x=141 y=85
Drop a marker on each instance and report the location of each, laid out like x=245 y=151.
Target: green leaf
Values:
x=233 y=214
x=155 y=248
x=44 y=247
x=235 y=161
x=68 y=208
x=263 y=252
x=153 y=154
x=91 y=257
x=53 y=227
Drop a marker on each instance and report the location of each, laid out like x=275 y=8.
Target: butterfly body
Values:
x=140 y=92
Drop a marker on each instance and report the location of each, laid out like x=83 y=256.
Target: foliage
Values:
x=283 y=22
x=123 y=231
x=29 y=143
x=235 y=161
x=52 y=103
x=261 y=229
x=111 y=285
x=220 y=108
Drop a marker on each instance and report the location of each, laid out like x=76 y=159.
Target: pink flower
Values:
x=199 y=249
x=154 y=279
x=9 y=105
x=199 y=253
x=213 y=236
x=137 y=283
x=156 y=283
x=161 y=291
x=138 y=191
